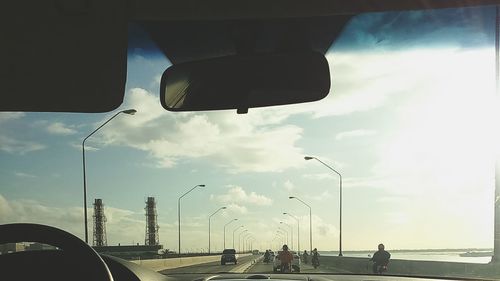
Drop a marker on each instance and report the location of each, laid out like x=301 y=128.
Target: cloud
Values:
x=78 y=146
x=236 y=143
x=12 y=145
x=122 y=226
x=59 y=128
x=354 y=133
x=323 y=196
x=237 y=208
x=237 y=194
x=24 y=175
x=7 y=116
x=319 y=176
x=289 y=186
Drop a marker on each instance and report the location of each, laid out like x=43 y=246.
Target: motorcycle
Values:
x=315 y=261
x=267 y=259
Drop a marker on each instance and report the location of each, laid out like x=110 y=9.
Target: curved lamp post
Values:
x=129 y=112
x=239 y=239
x=340 y=198
x=209 y=218
x=298 y=229
x=236 y=229
x=291 y=232
x=284 y=232
x=310 y=220
x=231 y=221
x=179 y=211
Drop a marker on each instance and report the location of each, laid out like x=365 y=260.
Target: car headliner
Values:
x=71 y=56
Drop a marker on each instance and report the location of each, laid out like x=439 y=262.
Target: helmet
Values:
x=285 y=247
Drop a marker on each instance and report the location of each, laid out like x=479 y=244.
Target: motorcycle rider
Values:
x=286 y=259
x=315 y=258
x=267 y=256
x=380 y=260
x=305 y=257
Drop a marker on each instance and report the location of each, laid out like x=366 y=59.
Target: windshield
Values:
x=400 y=153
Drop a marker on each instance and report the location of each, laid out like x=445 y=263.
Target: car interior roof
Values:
x=71 y=55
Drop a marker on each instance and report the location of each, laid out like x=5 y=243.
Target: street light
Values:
x=298 y=229
x=129 y=112
x=231 y=221
x=209 y=217
x=236 y=229
x=245 y=236
x=282 y=238
x=179 y=212
x=340 y=199
x=291 y=232
x=310 y=221
x=285 y=232
x=239 y=239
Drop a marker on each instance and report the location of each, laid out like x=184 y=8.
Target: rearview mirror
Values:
x=243 y=82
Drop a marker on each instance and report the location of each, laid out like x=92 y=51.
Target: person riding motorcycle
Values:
x=380 y=260
x=267 y=256
x=315 y=258
x=286 y=259
x=305 y=257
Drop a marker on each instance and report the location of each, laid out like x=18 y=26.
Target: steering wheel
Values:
x=72 y=246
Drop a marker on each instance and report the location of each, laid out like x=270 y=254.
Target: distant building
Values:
x=152 y=237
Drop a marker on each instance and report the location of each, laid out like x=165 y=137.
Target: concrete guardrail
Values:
x=162 y=264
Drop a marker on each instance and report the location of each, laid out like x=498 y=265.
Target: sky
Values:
x=409 y=123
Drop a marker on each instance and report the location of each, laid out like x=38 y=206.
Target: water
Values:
x=445 y=255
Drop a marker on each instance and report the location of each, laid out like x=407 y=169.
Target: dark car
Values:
x=228 y=255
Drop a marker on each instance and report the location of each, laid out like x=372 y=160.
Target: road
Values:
x=211 y=267
x=244 y=265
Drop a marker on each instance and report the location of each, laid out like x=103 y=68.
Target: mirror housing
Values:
x=243 y=82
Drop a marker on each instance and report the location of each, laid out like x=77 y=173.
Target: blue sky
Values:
x=409 y=123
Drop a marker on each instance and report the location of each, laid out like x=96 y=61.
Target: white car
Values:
x=295 y=262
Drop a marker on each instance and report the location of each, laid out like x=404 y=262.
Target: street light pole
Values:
x=239 y=239
x=231 y=221
x=236 y=229
x=179 y=212
x=282 y=238
x=129 y=112
x=245 y=236
x=209 y=217
x=310 y=220
x=298 y=229
x=340 y=199
x=285 y=232
x=291 y=233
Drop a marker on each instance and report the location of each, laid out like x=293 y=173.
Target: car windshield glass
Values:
x=400 y=153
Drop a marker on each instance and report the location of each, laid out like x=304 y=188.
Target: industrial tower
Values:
x=99 y=224
x=152 y=238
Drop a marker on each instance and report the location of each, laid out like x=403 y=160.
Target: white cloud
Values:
x=123 y=226
x=322 y=196
x=319 y=176
x=59 y=128
x=289 y=186
x=237 y=143
x=354 y=133
x=78 y=146
x=237 y=208
x=24 y=175
x=7 y=116
x=12 y=145
x=237 y=194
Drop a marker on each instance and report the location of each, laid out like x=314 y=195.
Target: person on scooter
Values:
x=380 y=260
x=305 y=257
x=315 y=258
x=286 y=259
x=267 y=256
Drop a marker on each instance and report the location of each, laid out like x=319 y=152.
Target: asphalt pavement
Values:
x=211 y=267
